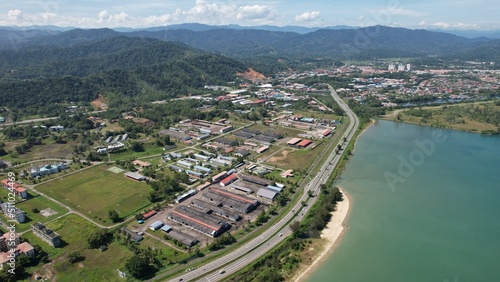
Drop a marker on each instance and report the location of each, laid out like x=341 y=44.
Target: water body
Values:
x=439 y=222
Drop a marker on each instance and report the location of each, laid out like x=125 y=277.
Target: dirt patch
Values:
x=48 y=212
x=251 y=74
x=100 y=103
x=284 y=155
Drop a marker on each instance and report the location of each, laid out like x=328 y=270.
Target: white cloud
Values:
x=308 y=16
x=15 y=14
x=445 y=25
x=104 y=15
x=405 y=12
x=255 y=12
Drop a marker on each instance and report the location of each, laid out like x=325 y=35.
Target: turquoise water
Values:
x=438 y=222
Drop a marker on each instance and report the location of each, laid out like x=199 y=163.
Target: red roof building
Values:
x=149 y=214
x=228 y=180
x=327 y=132
x=19 y=190
x=304 y=143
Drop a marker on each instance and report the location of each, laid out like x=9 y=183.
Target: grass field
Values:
x=97 y=190
x=97 y=266
x=38 y=202
x=298 y=159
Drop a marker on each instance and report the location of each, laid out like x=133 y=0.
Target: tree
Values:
x=136 y=146
x=98 y=238
x=113 y=215
x=339 y=147
x=137 y=266
x=75 y=257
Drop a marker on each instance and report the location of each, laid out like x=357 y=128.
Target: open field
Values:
x=97 y=190
x=298 y=159
x=97 y=266
x=36 y=202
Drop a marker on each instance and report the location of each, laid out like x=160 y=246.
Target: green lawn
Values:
x=97 y=266
x=95 y=191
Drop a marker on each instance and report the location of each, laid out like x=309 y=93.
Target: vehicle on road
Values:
x=222 y=271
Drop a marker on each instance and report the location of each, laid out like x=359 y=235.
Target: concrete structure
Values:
x=133 y=235
x=47 y=235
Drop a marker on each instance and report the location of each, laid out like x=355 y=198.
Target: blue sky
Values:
x=444 y=14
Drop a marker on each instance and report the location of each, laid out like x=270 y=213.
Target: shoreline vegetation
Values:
x=479 y=117
x=331 y=235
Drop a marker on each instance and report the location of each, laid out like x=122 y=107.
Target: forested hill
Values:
x=38 y=79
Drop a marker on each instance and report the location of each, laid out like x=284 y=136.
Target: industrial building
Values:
x=185 y=196
x=218 y=177
x=304 y=143
x=135 y=176
x=181 y=237
x=255 y=179
x=229 y=200
x=175 y=168
x=202 y=169
x=202 y=157
x=293 y=141
x=267 y=194
x=228 y=180
x=133 y=235
x=156 y=225
x=195 y=174
x=198 y=221
x=208 y=207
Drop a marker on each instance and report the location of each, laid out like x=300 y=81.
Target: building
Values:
x=133 y=235
x=185 y=196
x=2 y=164
x=267 y=194
x=286 y=174
x=13 y=212
x=47 y=169
x=182 y=237
x=19 y=190
x=149 y=214
x=218 y=177
x=203 y=186
x=228 y=180
x=6 y=241
x=135 y=176
x=156 y=225
x=18 y=248
x=202 y=157
x=293 y=141
x=198 y=221
x=255 y=179
x=141 y=163
x=242 y=153
x=262 y=149
x=47 y=235
x=202 y=169
x=304 y=143
x=166 y=228
x=210 y=208
x=236 y=202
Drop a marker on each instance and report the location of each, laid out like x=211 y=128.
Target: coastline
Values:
x=331 y=235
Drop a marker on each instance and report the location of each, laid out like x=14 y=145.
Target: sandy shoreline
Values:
x=331 y=235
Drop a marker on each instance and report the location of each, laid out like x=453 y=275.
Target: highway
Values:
x=257 y=247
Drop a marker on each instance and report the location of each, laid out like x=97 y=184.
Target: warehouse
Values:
x=208 y=207
x=219 y=162
x=228 y=180
x=293 y=141
x=243 y=134
x=193 y=161
x=304 y=143
x=218 y=177
x=268 y=194
x=203 y=186
x=241 y=188
x=135 y=176
x=201 y=157
x=199 y=221
x=255 y=179
x=273 y=135
x=175 y=168
x=265 y=139
x=230 y=200
x=156 y=225
x=166 y=228
x=185 y=196
x=202 y=169
x=251 y=131
x=195 y=174
x=184 y=238
x=274 y=188
x=184 y=164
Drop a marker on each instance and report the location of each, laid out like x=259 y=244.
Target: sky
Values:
x=428 y=14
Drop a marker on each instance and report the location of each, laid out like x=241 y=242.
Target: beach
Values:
x=330 y=235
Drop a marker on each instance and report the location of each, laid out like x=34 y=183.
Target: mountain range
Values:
x=245 y=43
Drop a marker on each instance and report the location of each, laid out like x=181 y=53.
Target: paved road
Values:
x=28 y=121
x=261 y=245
